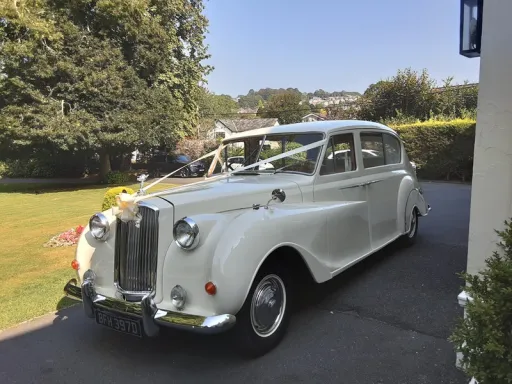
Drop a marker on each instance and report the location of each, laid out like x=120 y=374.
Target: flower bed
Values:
x=70 y=237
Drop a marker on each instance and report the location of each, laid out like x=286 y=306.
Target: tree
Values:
x=211 y=107
x=407 y=93
x=287 y=107
x=249 y=101
x=106 y=75
x=457 y=100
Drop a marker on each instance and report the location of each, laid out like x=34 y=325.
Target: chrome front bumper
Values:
x=152 y=317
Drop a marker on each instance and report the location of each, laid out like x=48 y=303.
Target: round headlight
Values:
x=186 y=233
x=99 y=226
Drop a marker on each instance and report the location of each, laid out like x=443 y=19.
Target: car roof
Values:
x=325 y=126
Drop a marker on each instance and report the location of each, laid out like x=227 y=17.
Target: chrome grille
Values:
x=136 y=252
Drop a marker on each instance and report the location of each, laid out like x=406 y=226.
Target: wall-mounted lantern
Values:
x=471 y=12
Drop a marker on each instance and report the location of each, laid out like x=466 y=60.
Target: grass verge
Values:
x=33 y=277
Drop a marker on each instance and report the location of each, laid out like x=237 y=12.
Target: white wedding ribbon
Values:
x=282 y=155
x=127 y=208
x=186 y=165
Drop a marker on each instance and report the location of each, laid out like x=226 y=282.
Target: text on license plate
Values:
x=121 y=324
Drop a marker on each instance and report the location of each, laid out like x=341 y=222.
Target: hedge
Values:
x=46 y=165
x=109 y=200
x=440 y=149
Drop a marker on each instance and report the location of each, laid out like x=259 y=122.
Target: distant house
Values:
x=312 y=117
x=248 y=111
x=227 y=127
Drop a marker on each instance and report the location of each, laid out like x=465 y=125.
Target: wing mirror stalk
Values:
x=277 y=195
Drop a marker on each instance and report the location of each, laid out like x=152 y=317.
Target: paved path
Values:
x=386 y=320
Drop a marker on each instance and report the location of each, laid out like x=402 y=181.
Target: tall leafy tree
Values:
x=408 y=93
x=102 y=75
x=211 y=107
x=287 y=107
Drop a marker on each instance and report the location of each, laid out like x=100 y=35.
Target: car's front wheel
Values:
x=265 y=315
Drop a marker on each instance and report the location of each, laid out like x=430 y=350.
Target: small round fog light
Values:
x=178 y=296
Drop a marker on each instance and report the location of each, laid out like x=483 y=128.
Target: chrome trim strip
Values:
x=369 y=182
x=151 y=316
x=350 y=186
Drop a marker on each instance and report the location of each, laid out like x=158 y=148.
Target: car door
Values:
x=337 y=182
x=382 y=173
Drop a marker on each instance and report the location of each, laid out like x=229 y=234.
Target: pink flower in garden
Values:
x=70 y=237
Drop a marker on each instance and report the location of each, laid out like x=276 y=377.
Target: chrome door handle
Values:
x=368 y=183
x=361 y=184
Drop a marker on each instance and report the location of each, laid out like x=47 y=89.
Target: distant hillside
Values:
x=255 y=98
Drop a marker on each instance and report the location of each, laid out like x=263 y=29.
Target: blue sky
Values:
x=331 y=44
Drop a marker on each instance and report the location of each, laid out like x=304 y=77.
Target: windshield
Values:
x=249 y=150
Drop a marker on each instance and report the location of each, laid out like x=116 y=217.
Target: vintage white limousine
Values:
x=224 y=253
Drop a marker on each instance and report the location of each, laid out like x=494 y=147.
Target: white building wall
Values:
x=219 y=128
x=491 y=196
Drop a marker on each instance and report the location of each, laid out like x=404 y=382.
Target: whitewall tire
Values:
x=263 y=320
x=409 y=238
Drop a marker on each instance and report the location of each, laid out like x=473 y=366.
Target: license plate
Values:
x=119 y=323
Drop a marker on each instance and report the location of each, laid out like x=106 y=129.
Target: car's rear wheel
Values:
x=263 y=320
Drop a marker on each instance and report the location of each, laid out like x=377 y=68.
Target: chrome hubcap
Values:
x=414 y=219
x=268 y=305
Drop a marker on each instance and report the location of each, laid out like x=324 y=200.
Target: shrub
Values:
x=118 y=177
x=195 y=148
x=24 y=168
x=109 y=200
x=484 y=336
x=441 y=149
x=4 y=169
x=48 y=165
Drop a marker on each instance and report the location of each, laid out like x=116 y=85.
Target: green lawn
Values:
x=32 y=276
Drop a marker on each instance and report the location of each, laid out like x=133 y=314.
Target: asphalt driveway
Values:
x=386 y=320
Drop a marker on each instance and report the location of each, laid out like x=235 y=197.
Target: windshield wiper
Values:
x=246 y=172
x=281 y=170
x=289 y=165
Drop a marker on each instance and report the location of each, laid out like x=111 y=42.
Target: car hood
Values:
x=229 y=193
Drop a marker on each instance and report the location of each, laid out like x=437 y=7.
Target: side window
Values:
x=339 y=156
x=392 y=149
x=373 y=149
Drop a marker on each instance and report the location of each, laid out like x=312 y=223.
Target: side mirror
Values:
x=278 y=194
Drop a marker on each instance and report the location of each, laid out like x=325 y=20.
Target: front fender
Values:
x=253 y=236
x=232 y=247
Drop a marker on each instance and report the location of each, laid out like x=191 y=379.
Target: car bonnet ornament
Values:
x=142 y=178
